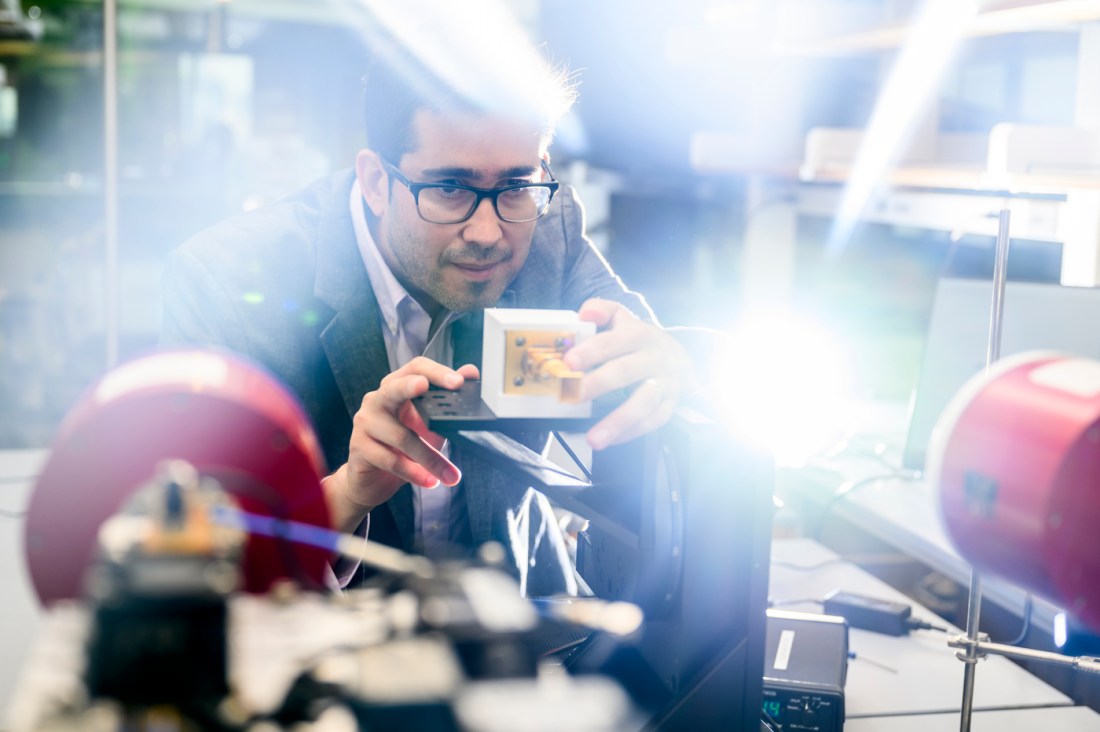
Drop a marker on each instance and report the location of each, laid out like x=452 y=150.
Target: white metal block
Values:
x=537 y=328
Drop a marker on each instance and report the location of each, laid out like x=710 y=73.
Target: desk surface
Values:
x=904 y=513
x=20 y=615
x=927 y=678
x=1077 y=719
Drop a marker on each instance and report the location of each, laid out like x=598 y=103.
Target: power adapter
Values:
x=869 y=613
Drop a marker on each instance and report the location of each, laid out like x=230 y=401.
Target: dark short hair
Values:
x=399 y=83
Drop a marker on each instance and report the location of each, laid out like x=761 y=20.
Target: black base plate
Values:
x=445 y=411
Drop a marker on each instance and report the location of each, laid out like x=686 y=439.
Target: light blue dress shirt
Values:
x=407 y=331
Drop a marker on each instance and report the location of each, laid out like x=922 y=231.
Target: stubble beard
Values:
x=428 y=275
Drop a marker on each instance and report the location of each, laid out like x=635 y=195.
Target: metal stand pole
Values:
x=110 y=180
x=993 y=352
x=970 y=656
x=1000 y=270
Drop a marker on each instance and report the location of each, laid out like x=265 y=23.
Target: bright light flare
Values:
x=785 y=386
x=479 y=49
x=901 y=107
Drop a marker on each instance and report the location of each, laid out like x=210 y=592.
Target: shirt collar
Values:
x=387 y=290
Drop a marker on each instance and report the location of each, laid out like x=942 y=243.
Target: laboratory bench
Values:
x=896 y=683
x=914 y=681
x=858 y=500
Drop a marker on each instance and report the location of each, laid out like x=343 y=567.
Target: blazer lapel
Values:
x=479 y=500
x=353 y=342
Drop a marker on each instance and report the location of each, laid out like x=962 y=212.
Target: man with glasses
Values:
x=367 y=288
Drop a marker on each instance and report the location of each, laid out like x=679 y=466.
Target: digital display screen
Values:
x=772 y=707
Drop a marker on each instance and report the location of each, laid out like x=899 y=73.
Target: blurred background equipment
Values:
x=805 y=668
x=1016 y=457
x=1038 y=316
x=227 y=418
x=679 y=524
x=713 y=145
x=185 y=476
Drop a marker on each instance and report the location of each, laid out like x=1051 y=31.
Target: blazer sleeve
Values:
x=587 y=273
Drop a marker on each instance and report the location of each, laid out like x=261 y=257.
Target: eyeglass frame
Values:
x=482 y=193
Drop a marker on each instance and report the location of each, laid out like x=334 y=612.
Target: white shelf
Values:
x=1032 y=218
x=995 y=20
x=1013 y=158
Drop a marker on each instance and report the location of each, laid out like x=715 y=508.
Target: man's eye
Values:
x=448 y=192
x=516 y=194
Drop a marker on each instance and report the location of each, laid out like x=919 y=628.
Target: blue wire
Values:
x=278 y=528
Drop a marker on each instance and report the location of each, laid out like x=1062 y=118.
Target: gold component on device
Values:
x=533 y=365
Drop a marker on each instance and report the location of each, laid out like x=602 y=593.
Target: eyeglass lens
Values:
x=448 y=205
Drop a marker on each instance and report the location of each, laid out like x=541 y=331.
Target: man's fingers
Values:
x=380 y=457
x=605 y=346
x=411 y=418
x=386 y=418
x=620 y=372
x=436 y=373
x=392 y=393
x=396 y=437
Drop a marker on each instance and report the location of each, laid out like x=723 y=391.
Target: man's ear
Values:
x=374 y=181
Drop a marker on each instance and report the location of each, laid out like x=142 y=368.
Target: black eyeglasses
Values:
x=452 y=203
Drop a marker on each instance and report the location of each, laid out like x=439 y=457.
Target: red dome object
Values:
x=1016 y=456
x=228 y=418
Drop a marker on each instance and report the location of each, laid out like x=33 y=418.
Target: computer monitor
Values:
x=1036 y=317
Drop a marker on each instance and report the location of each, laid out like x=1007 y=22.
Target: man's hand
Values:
x=629 y=352
x=390 y=445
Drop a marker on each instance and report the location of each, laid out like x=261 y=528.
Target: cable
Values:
x=852 y=655
x=276 y=505
x=808 y=567
x=378 y=555
x=865 y=446
x=569 y=451
x=1027 y=622
x=849 y=487
x=525 y=458
x=564 y=647
x=803 y=601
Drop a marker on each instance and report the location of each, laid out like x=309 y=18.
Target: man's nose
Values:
x=484 y=226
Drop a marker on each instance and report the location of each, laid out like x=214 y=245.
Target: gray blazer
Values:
x=285 y=286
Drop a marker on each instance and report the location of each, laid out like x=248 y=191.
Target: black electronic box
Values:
x=805 y=666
